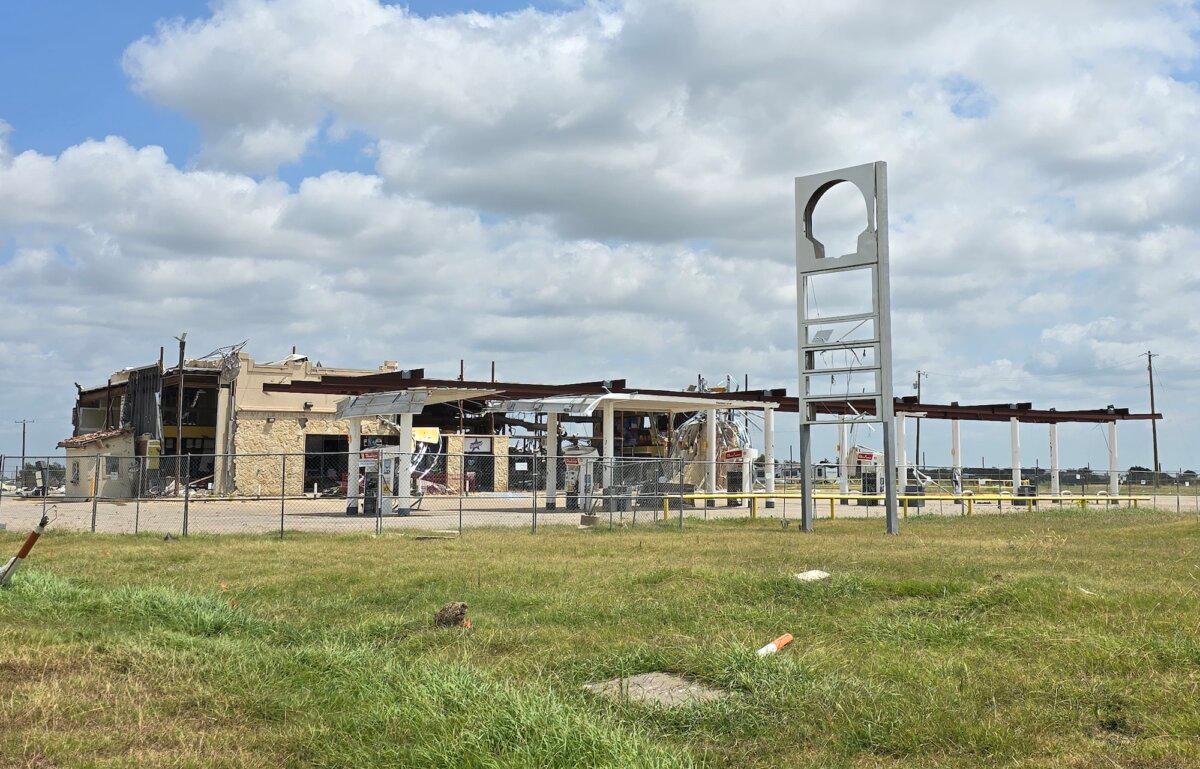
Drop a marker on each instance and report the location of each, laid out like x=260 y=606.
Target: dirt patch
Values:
x=659 y=688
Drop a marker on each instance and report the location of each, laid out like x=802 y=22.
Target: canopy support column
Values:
x=1014 y=432
x=901 y=454
x=956 y=455
x=1113 y=480
x=769 y=451
x=552 y=460
x=710 y=455
x=403 y=489
x=1055 y=488
x=608 y=446
x=352 y=467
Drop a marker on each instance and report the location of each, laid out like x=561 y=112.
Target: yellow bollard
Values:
x=753 y=508
x=832 y=507
x=970 y=505
x=905 y=500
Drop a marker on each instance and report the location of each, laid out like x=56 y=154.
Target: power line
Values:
x=1112 y=368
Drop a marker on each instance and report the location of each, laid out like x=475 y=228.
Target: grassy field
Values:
x=1044 y=639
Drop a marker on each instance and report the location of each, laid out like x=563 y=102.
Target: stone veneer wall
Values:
x=255 y=435
x=454 y=461
x=255 y=475
x=500 y=466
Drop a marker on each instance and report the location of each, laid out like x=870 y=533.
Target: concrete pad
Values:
x=812 y=575
x=658 y=688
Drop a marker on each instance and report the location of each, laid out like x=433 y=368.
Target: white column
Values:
x=769 y=451
x=352 y=506
x=710 y=455
x=1113 y=481
x=901 y=455
x=1054 y=484
x=1014 y=431
x=843 y=458
x=956 y=454
x=609 y=445
x=404 y=474
x=551 y=460
x=221 y=444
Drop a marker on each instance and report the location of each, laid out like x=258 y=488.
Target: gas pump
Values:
x=580 y=480
x=871 y=475
x=368 y=464
x=739 y=477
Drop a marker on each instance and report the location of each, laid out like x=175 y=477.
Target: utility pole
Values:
x=917 y=387
x=21 y=467
x=182 y=339
x=462 y=370
x=1153 y=422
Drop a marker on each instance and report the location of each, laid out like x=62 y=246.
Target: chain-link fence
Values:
x=430 y=493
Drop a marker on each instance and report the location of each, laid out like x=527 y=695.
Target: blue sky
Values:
x=63 y=83
x=583 y=190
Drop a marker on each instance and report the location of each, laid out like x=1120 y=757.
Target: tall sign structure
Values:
x=846 y=351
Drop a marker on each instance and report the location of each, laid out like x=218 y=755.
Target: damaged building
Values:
x=231 y=431
x=239 y=416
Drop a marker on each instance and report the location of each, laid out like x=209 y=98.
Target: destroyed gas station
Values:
x=393 y=441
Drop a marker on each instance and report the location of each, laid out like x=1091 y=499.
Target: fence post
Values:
x=187 y=498
x=533 y=486
x=282 y=490
x=1178 y=480
x=630 y=498
x=379 y=492
x=462 y=487
x=95 y=490
x=137 y=493
x=2 y=481
x=681 y=466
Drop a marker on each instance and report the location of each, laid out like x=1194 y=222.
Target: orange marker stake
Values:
x=14 y=563
x=775 y=645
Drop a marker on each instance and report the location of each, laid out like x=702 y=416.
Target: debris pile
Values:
x=453 y=614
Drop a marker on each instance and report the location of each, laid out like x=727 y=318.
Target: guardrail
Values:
x=968 y=500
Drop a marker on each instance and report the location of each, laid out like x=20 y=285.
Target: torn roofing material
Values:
x=85 y=439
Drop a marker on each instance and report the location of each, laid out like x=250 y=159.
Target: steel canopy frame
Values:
x=870 y=256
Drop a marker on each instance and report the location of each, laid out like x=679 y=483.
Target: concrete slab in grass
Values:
x=659 y=688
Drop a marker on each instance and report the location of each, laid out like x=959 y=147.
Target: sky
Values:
x=604 y=190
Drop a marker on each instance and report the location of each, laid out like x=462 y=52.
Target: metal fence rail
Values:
x=277 y=494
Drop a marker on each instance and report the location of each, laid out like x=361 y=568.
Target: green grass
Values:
x=964 y=642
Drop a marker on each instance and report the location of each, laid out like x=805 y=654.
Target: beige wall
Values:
x=251 y=377
x=81 y=468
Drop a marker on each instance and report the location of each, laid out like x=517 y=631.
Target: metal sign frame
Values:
x=811 y=261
